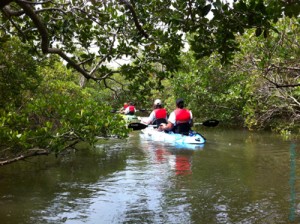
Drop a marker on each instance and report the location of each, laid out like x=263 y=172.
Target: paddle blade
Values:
x=210 y=123
x=137 y=126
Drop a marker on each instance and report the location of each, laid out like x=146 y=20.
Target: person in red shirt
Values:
x=180 y=120
x=130 y=110
x=158 y=115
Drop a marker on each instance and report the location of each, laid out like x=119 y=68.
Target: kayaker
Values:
x=158 y=115
x=122 y=110
x=180 y=120
x=130 y=110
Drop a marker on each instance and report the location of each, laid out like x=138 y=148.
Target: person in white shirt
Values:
x=130 y=110
x=158 y=115
x=180 y=120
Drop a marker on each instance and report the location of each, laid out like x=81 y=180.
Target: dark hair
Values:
x=180 y=103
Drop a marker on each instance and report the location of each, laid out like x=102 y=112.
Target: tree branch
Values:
x=32 y=152
x=45 y=40
x=135 y=18
x=285 y=68
x=103 y=59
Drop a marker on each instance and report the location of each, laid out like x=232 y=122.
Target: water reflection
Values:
x=292 y=182
x=237 y=177
x=180 y=163
x=179 y=159
x=183 y=165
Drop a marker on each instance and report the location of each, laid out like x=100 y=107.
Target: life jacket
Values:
x=182 y=117
x=125 y=106
x=131 y=110
x=160 y=116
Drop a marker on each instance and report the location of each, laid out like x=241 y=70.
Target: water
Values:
x=237 y=177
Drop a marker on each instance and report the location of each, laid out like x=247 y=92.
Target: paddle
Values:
x=114 y=111
x=118 y=111
x=133 y=124
x=144 y=110
x=209 y=123
x=137 y=126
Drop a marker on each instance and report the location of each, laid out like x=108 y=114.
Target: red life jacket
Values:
x=182 y=116
x=131 y=108
x=160 y=113
x=125 y=106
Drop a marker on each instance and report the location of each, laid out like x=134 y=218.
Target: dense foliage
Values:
x=273 y=64
x=48 y=114
x=259 y=90
x=242 y=66
x=148 y=32
x=18 y=77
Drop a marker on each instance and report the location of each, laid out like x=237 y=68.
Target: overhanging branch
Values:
x=31 y=153
x=135 y=18
x=45 y=39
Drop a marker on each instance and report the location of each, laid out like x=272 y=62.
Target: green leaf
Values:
x=241 y=6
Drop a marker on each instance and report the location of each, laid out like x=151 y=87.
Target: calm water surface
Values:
x=237 y=177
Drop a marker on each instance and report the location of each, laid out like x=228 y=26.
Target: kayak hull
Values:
x=134 y=123
x=152 y=134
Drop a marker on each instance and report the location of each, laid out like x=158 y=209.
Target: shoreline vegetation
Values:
x=244 y=74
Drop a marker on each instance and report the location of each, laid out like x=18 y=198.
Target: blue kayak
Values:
x=152 y=134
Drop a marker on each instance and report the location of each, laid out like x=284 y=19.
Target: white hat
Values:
x=157 y=102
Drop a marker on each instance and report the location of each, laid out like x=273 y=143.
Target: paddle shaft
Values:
x=207 y=123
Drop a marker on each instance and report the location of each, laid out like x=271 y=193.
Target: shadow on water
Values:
x=236 y=177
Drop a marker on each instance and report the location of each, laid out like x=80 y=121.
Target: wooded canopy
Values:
x=89 y=35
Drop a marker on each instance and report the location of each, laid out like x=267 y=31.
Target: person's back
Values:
x=158 y=115
x=130 y=109
x=180 y=120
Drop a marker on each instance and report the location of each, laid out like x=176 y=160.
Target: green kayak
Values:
x=134 y=123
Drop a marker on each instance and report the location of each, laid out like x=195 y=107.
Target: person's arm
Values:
x=126 y=111
x=170 y=125
x=166 y=127
x=150 y=118
x=191 y=121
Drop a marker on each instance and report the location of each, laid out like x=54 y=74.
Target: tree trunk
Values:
x=82 y=81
